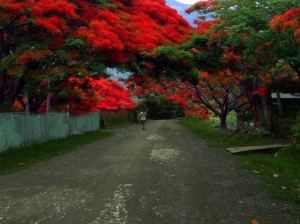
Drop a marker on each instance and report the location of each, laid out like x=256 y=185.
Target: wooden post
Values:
x=279 y=102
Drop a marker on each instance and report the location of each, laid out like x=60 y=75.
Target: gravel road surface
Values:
x=161 y=175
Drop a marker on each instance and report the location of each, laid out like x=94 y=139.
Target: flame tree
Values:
x=248 y=38
x=46 y=43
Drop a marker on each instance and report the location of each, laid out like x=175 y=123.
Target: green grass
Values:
x=220 y=138
x=280 y=171
x=21 y=158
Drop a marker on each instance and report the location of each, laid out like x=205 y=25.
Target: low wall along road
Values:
x=22 y=129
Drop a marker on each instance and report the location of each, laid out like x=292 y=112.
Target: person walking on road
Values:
x=143 y=118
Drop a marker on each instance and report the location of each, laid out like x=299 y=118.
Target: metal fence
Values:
x=17 y=130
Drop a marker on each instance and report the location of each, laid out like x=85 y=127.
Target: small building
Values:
x=286 y=104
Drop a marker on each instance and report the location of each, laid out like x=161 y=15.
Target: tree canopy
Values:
x=60 y=49
x=51 y=41
x=233 y=58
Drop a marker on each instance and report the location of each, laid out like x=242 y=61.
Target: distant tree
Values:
x=204 y=74
x=219 y=92
x=243 y=32
x=159 y=107
x=164 y=91
x=287 y=41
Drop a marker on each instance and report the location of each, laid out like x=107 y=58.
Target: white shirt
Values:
x=143 y=116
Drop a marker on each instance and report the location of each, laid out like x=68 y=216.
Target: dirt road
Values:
x=162 y=175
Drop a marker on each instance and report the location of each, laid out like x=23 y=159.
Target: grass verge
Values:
x=280 y=171
x=220 y=138
x=21 y=158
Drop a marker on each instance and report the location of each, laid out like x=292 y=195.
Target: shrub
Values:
x=296 y=132
x=160 y=108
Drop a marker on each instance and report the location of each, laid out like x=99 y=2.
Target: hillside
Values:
x=180 y=7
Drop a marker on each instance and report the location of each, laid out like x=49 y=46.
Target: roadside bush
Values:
x=231 y=121
x=160 y=108
x=296 y=132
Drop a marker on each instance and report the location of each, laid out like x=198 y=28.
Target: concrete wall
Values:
x=18 y=130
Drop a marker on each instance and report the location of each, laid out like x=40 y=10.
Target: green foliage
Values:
x=231 y=120
x=172 y=53
x=160 y=108
x=195 y=41
x=75 y=42
x=281 y=6
x=221 y=138
x=181 y=61
x=105 y=3
x=110 y=5
x=33 y=44
x=247 y=24
x=175 y=62
x=280 y=171
x=8 y=62
x=20 y=72
x=296 y=133
x=283 y=125
x=208 y=56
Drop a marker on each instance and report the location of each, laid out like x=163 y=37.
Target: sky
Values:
x=189 y=2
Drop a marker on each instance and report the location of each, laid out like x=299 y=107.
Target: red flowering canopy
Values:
x=288 y=21
x=97 y=95
x=63 y=39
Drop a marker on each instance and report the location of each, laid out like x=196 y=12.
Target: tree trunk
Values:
x=10 y=89
x=249 y=86
x=223 y=121
x=279 y=102
x=255 y=114
x=1 y=45
x=240 y=119
x=270 y=111
x=266 y=115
